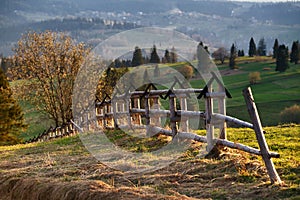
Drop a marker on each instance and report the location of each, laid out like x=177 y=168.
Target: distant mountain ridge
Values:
x=218 y=22
x=281 y=13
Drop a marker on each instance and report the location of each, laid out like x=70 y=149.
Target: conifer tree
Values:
x=275 y=48
x=12 y=121
x=137 y=58
x=282 y=58
x=252 y=48
x=154 y=58
x=233 y=55
x=294 y=56
x=167 y=57
x=173 y=55
x=262 y=48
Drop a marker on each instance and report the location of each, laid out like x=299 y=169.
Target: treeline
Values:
x=140 y=57
x=280 y=52
x=82 y=23
x=156 y=6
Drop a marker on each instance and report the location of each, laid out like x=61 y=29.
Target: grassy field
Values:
x=272 y=94
x=63 y=168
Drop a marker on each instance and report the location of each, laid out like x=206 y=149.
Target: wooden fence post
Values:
x=114 y=118
x=263 y=146
x=156 y=105
x=107 y=120
x=147 y=114
x=128 y=108
x=208 y=119
x=136 y=116
x=172 y=104
x=184 y=122
x=222 y=110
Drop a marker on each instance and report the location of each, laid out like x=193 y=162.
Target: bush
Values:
x=290 y=115
x=254 y=77
x=187 y=71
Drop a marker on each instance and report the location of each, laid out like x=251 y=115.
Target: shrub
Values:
x=254 y=77
x=187 y=71
x=290 y=115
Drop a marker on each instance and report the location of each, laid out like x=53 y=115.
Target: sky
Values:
x=266 y=0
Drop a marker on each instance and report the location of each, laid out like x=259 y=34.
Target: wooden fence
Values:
x=142 y=110
x=68 y=129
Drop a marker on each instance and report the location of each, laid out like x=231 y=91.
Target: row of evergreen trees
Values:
x=139 y=58
x=280 y=53
x=261 y=50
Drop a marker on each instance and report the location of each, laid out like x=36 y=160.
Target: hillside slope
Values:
x=63 y=169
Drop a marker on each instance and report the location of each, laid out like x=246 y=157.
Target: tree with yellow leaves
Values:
x=48 y=63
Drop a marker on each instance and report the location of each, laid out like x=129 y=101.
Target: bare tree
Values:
x=220 y=54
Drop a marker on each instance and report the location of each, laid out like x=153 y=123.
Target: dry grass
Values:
x=63 y=169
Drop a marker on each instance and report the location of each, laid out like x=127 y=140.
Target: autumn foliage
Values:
x=49 y=63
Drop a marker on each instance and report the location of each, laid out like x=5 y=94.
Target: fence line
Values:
x=58 y=132
x=141 y=109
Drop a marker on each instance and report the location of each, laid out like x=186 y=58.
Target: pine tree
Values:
x=12 y=121
x=242 y=53
x=275 y=48
x=294 y=56
x=252 y=48
x=204 y=47
x=137 y=58
x=262 y=48
x=167 y=57
x=154 y=58
x=233 y=55
x=173 y=55
x=282 y=58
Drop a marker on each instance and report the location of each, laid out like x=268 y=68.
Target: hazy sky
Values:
x=265 y=0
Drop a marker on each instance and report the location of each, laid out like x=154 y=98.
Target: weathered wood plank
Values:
x=274 y=177
x=172 y=104
x=224 y=142
x=233 y=120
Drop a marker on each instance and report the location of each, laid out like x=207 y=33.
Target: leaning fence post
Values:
x=263 y=146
